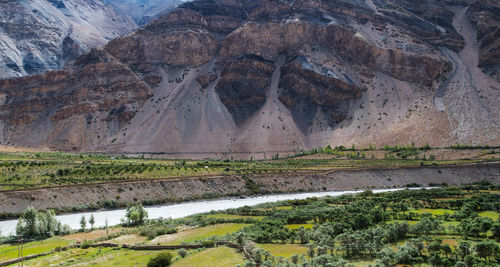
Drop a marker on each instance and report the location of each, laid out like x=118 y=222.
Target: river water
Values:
x=180 y=210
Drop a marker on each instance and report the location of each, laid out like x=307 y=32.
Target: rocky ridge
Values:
x=41 y=35
x=266 y=75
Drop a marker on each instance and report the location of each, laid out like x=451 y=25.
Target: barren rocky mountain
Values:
x=143 y=11
x=41 y=35
x=215 y=76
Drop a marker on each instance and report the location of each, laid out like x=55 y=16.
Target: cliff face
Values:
x=485 y=16
x=265 y=75
x=40 y=35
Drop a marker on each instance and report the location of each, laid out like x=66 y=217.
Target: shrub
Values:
x=182 y=252
x=208 y=243
x=85 y=244
x=161 y=260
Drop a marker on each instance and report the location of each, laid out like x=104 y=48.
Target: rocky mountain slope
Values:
x=222 y=76
x=41 y=35
x=143 y=11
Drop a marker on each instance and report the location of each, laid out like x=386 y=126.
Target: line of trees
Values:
x=34 y=224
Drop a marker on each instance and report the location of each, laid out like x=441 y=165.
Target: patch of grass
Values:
x=197 y=234
x=130 y=239
x=297 y=226
x=220 y=257
x=435 y=211
x=8 y=252
x=490 y=214
x=285 y=250
x=96 y=257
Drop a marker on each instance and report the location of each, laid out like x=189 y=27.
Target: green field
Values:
x=490 y=214
x=197 y=234
x=95 y=257
x=40 y=169
x=284 y=250
x=220 y=257
x=8 y=252
x=297 y=226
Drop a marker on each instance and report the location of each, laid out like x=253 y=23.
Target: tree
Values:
x=92 y=221
x=495 y=230
x=464 y=249
x=425 y=226
x=474 y=226
x=161 y=260
x=47 y=223
x=182 y=252
x=407 y=254
x=83 y=223
x=385 y=257
x=486 y=249
x=34 y=224
x=302 y=235
x=435 y=259
x=136 y=215
x=30 y=229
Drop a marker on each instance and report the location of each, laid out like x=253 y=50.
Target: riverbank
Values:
x=158 y=191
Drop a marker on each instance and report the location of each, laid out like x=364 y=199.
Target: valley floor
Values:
x=439 y=226
x=72 y=182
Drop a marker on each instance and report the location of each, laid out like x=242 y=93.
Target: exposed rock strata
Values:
x=240 y=76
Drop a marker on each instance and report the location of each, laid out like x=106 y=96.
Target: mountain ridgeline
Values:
x=223 y=76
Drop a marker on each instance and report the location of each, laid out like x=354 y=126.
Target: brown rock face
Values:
x=271 y=39
x=486 y=18
x=179 y=39
x=96 y=86
x=304 y=91
x=222 y=17
x=243 y=85
x=277 y=74
x=433 y=13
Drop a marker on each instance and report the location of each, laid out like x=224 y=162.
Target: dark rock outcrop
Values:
x=243 y=85
x=486 y=18
x=304 y=91
x=95 y=85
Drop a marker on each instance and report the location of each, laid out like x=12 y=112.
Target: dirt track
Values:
x=170 y=190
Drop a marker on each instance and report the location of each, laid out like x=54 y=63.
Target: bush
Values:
x=182 y=252
x=85 y=244
x=161 y=260
x=208 y=243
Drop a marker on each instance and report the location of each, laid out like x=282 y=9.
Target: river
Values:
x=180 y=210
